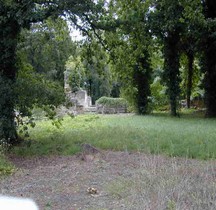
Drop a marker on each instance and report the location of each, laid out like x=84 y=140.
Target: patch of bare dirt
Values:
x=122 y=181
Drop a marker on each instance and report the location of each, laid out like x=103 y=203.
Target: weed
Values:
x=6 y=168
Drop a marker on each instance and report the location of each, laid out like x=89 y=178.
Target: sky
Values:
x=75 y=34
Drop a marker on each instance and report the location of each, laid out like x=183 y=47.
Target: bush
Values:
x=106 y=105
x=112 y=102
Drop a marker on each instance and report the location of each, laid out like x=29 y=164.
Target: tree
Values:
x=89 y=69
x=47 y=46
x=98 y=70
x=190 y=57
x=129 y=46
x=167 y=25
x=77 y=74
x=209 y=43
x=188 y=48
x=34 y=89
x=191 y=79
x=14 y=16
x=11 y=23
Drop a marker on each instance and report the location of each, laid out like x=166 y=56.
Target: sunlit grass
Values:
x=192 y=137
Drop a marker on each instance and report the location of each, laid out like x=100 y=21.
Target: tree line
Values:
x=143 y=47
x=184 y=33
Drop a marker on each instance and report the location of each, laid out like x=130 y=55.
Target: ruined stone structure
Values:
x=79 y=99
x=82 y=102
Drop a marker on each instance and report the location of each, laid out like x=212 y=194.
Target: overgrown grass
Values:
x=192 y=137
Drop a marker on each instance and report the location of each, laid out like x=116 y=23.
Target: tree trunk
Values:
x=9 y=31
x=210 y=52
x=190 y=78
x=141 y=79
x=171 y=69
x=210 y=79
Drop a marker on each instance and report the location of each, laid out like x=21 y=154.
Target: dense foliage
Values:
x=89 y=69
x=130 y=51
x=149 y=49
x=15 y=16
x=46 y=47
x=135 y=30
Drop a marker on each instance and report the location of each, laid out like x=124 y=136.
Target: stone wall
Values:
x=103 y=109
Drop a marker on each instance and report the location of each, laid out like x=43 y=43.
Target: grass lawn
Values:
x=188 y=136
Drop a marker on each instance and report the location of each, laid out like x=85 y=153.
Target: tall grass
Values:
x=192 y=137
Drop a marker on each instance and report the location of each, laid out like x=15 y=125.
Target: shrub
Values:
x=112 y=102
x=106 y=105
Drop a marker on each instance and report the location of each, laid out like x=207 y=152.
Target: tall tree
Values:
x=11 y=23
x=129 y=47
x=98 y=70
x=209 y=56
x=188 y=48
x=15 y=15
x=190 y=37
x=167 y=25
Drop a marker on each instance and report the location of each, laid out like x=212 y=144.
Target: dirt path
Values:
x=61 y=183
